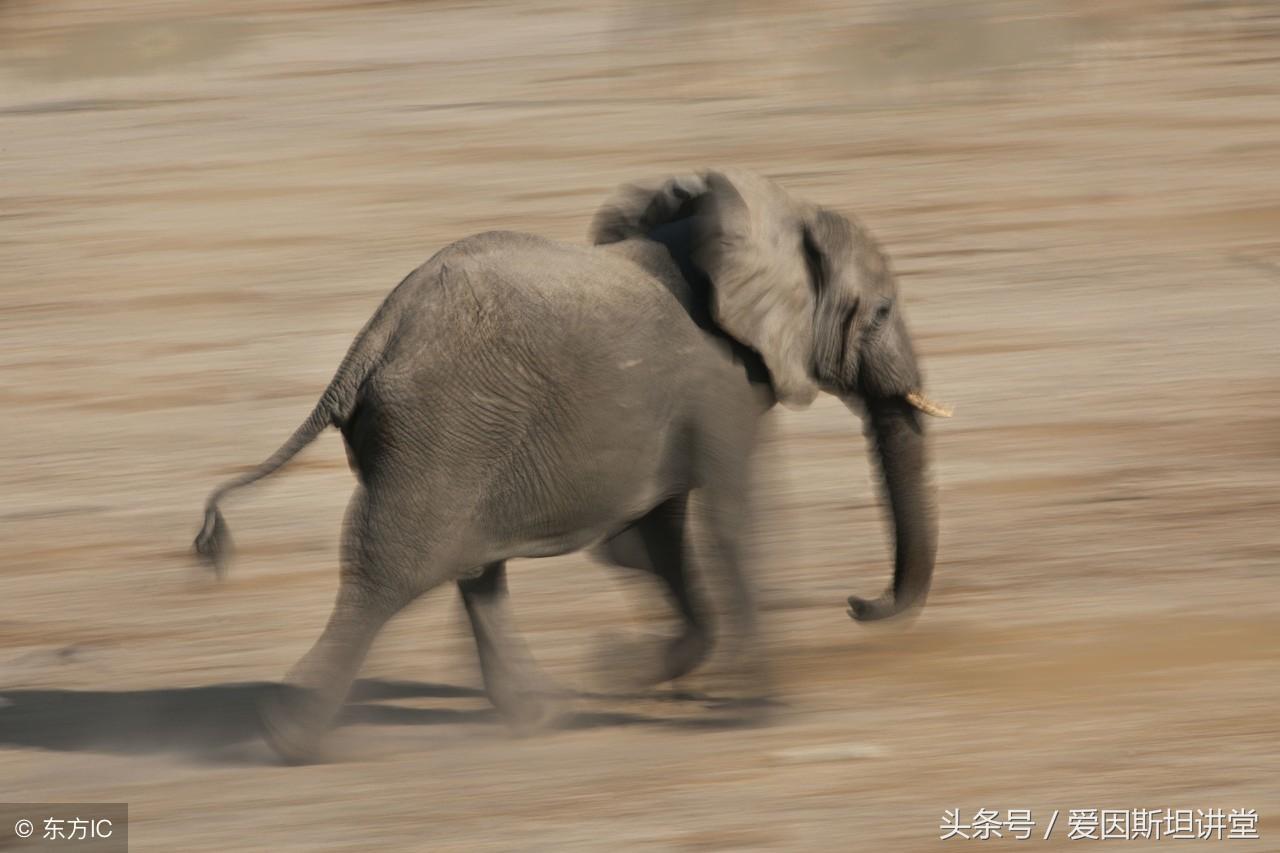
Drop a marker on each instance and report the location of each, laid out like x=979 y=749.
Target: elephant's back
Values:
x=520 y=334
x=512 y=297
x=576 y=285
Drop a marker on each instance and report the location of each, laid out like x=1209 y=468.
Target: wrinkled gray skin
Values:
x=517 y=397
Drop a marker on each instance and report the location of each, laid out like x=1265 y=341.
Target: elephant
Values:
x=517 y=397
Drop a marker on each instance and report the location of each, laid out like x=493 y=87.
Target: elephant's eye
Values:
x=882 y=312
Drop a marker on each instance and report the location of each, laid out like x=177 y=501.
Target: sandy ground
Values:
x=197 y=213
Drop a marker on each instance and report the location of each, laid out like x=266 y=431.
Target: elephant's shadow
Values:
x=206 y=719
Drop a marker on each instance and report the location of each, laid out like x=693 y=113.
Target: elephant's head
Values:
x=810 y=291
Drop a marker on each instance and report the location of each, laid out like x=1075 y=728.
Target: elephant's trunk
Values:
x=897 y=433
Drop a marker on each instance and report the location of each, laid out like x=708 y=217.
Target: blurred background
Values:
x=200 y=205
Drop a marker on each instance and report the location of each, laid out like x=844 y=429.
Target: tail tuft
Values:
x=213 y=542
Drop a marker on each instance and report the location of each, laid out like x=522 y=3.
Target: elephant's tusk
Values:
x=924 y=404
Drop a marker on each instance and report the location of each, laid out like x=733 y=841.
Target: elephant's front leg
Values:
x=726 y=503
x=515 y=685
x=656 y=544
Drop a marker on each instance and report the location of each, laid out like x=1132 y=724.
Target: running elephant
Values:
x=518 y=397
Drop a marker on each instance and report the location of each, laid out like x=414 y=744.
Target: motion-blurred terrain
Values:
x=200 y=204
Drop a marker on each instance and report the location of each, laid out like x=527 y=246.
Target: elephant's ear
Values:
x=752 y=247
x=636 y=209
x=749 y=238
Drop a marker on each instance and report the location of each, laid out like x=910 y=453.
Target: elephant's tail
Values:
x=213 y=542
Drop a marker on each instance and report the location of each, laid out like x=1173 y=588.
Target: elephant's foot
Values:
x=526 y=699
x=293 y=724
x=638 y=663
x=745 y=682
x=684 y=654
x=528 y=710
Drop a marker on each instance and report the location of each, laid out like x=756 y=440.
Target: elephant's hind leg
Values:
x=296 y=719
x=513 y=681
x=375 y=585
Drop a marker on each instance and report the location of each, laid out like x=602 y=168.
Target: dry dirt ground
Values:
x=200 y=204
